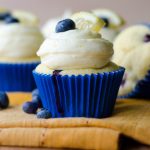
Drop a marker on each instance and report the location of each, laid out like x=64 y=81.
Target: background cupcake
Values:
x=20 y=39
x=132 y=50
x=75 y=77
x=113 y=23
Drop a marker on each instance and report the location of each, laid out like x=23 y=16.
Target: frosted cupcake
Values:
x=49 y=26
x=76 y=77
x=18 y=46
x=113 y=23
x=132 y=50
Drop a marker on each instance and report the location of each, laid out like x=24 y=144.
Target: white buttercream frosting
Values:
x=19 y=42
x=109 y=34
x=75 y=49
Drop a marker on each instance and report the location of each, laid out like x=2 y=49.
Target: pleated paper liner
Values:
x=91 y=96
x=17 y=77
x=141 y=90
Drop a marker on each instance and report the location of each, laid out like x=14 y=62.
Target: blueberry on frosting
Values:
x=65 y=25
x=4 y=15
x=106 y=21
x=11 y=20
x=147 y=38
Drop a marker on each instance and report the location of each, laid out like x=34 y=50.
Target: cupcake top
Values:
x=73 y=48
x=132 y=50
x=19 y=41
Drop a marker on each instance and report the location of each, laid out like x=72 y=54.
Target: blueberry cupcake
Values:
x=132 y=50
x=113 y=23
x=76 y=77
x=19 y=42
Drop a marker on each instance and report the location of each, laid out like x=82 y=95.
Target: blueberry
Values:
x=35 y=92
x=4 y=15
x=30 y=107
x=11 y=20
x=106 y=21
x=37 y=99
x=4 y=101
x=44 y=113
x=65 y=25
x=147 y=38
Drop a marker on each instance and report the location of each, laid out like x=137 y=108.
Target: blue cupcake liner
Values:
x=91 y=96
x=17 y=77
x=141 y=90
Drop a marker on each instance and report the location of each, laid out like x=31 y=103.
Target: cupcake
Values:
x=132 y=50
x=76 y=77
x=49 y=26
x=18 y=46
x=113 y=23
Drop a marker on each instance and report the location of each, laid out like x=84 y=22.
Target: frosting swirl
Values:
x=75 y=49
x=109 y=34
x=19 y=42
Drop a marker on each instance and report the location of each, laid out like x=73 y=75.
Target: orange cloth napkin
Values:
x=131 y=118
